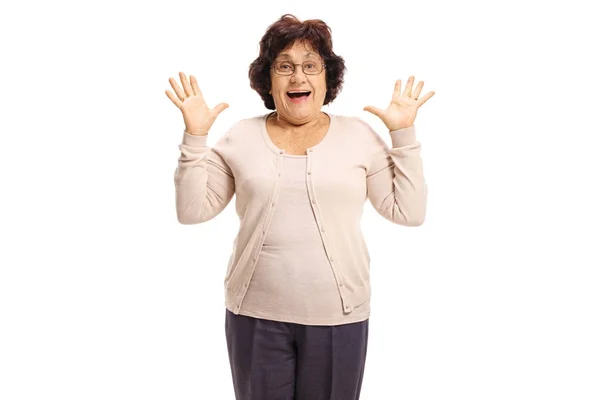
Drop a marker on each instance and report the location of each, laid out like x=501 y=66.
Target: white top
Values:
x=292 y=280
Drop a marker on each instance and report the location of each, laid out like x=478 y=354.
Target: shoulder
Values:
x=358 y=129
x=242 y=129
x=352 y=123
x=253 y=122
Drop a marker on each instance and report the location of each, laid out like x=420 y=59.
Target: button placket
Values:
x=319 y=220
x=245 y=285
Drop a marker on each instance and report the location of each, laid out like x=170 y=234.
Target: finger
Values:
x=397 y=88
x=186 y=85
x=417 y=92
x=174 y=99
x=423 y=99
x=195 y=86
x=177 y=89
x=408 y=88
x=374 y=110
x=220 y=107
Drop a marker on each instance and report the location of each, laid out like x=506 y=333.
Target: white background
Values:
x=104 y=295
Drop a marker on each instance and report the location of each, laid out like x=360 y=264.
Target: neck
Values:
x=283 y=123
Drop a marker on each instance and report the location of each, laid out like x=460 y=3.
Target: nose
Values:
x=298 y=72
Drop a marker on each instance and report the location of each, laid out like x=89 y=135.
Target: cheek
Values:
x=322 y=91
x=275 y=88
x=320 y=87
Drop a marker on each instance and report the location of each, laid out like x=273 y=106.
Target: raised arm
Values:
x=395 y=181
x=204 y=183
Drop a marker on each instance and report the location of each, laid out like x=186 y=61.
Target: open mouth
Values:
x=298 y=94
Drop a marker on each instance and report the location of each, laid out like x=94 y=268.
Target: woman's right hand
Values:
x=197 y=117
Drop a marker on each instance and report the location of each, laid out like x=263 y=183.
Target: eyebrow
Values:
x=286 y=55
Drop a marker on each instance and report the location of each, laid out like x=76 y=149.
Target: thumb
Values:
x=220 y=107
x=374 y=110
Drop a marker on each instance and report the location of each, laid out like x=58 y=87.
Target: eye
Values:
x=284 y=66
x=310 y=65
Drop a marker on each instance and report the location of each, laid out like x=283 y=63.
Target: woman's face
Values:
x=298 y=109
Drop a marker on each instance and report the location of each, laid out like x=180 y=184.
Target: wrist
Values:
x=194 y=140
x=398 y=128
x=196 y=133
x=404 y=136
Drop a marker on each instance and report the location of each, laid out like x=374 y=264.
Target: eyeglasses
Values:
x=288 y=68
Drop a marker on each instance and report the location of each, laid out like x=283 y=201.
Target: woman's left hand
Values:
x=402 y=111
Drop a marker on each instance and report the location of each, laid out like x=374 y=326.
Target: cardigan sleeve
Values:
x=204 y=183
x=395 y=182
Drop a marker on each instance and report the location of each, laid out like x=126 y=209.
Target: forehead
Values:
x=298 y=49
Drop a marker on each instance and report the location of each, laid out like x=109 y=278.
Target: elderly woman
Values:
x=297 y=284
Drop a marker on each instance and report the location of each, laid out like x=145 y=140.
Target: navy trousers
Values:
x=273 y=360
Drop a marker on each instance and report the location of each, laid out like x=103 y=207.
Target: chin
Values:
x=301 y=114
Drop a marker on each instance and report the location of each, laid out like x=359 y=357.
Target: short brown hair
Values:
x=285 y=32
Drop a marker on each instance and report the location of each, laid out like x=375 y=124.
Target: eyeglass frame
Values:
x=294 y=68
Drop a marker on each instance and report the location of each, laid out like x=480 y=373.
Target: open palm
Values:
x=402 y=110
x=197 y=116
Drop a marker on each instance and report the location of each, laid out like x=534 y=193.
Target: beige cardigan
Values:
x=350 y=165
